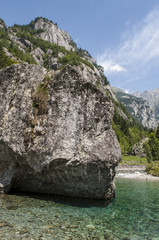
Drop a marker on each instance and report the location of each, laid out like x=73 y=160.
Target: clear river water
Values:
x=134 y=214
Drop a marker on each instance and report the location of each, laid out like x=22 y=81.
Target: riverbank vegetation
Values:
x=133 y=160
x=152 y=151
x=153 y=168
x=151 y=160
x=130 y=134
x=152 y=146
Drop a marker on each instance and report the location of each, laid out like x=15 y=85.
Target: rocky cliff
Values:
x=152 y=97
x=55 y=133
x=51 y=33
x=43 y=43
x=137 y=107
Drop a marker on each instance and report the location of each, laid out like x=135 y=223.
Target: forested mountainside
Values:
x=128 y=129
x=152 y=97
x=137 y=107
x=144 y=114
x=42 y=43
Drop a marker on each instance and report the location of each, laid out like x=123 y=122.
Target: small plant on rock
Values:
x=40 y=97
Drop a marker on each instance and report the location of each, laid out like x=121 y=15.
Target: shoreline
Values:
x=134 y=172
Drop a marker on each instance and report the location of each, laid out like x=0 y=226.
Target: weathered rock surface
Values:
x=137 y=107
x=55 y=134
x=138 y=148
x=53 y=34
x=152 y=97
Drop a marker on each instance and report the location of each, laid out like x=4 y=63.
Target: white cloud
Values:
x=137 y=52
x=110 y=66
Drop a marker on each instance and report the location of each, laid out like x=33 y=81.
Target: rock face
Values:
x=138 y=148
x=53 y=34
x=137 y=107
x=152 y=97
x=55 y=133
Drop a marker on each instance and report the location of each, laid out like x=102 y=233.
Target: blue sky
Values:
x=123 y=35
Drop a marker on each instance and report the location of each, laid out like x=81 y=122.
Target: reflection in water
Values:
x=134 y=214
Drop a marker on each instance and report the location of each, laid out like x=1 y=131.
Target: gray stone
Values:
x=152 y=97
x=56 y=141
x=38 y=56
x=53 y=34
x=137 y=107
x=138 y=148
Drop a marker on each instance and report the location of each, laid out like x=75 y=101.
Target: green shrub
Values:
x=4 y=60
x=13 y=49
x=104 y=79
x=19 y=54
x=87 y=63
x=152 y=147
x=72 y=58
x=40 y=97
x=153 y=168
x=157 y=132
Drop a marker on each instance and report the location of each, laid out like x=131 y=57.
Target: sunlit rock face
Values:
x=55 y=133
x=152 y=97
x=137 y=107
x=53 y=34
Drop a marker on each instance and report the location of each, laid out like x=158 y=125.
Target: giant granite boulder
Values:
x=55 y=134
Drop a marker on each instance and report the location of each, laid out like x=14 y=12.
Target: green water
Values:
x=134 y=214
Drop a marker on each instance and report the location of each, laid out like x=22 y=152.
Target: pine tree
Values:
x=157 y=133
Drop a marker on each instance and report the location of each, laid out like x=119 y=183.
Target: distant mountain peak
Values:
x=137 y=107
x=152 y=97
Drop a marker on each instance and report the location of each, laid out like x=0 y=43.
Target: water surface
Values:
x=134 y=214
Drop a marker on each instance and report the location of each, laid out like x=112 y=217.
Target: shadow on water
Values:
x=71 y=201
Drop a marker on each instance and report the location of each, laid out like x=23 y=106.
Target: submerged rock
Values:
x=55 y=134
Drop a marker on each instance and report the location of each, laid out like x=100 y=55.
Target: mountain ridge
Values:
x=137 y=107
x=152 y=97
x=42 y=42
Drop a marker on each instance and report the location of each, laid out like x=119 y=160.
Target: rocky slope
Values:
x=152 y=97
x=137 y=107
x=42 y=42
x=51 y=33
x=55 y=123
x=2 y=24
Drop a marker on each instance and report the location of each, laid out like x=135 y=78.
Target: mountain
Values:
x=137 y=107
x=60 y=121
x=42 y=42
x=152 y=97
x=56 y=112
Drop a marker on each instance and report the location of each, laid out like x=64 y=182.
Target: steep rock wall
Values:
x=53 y=34
x=55 y=134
